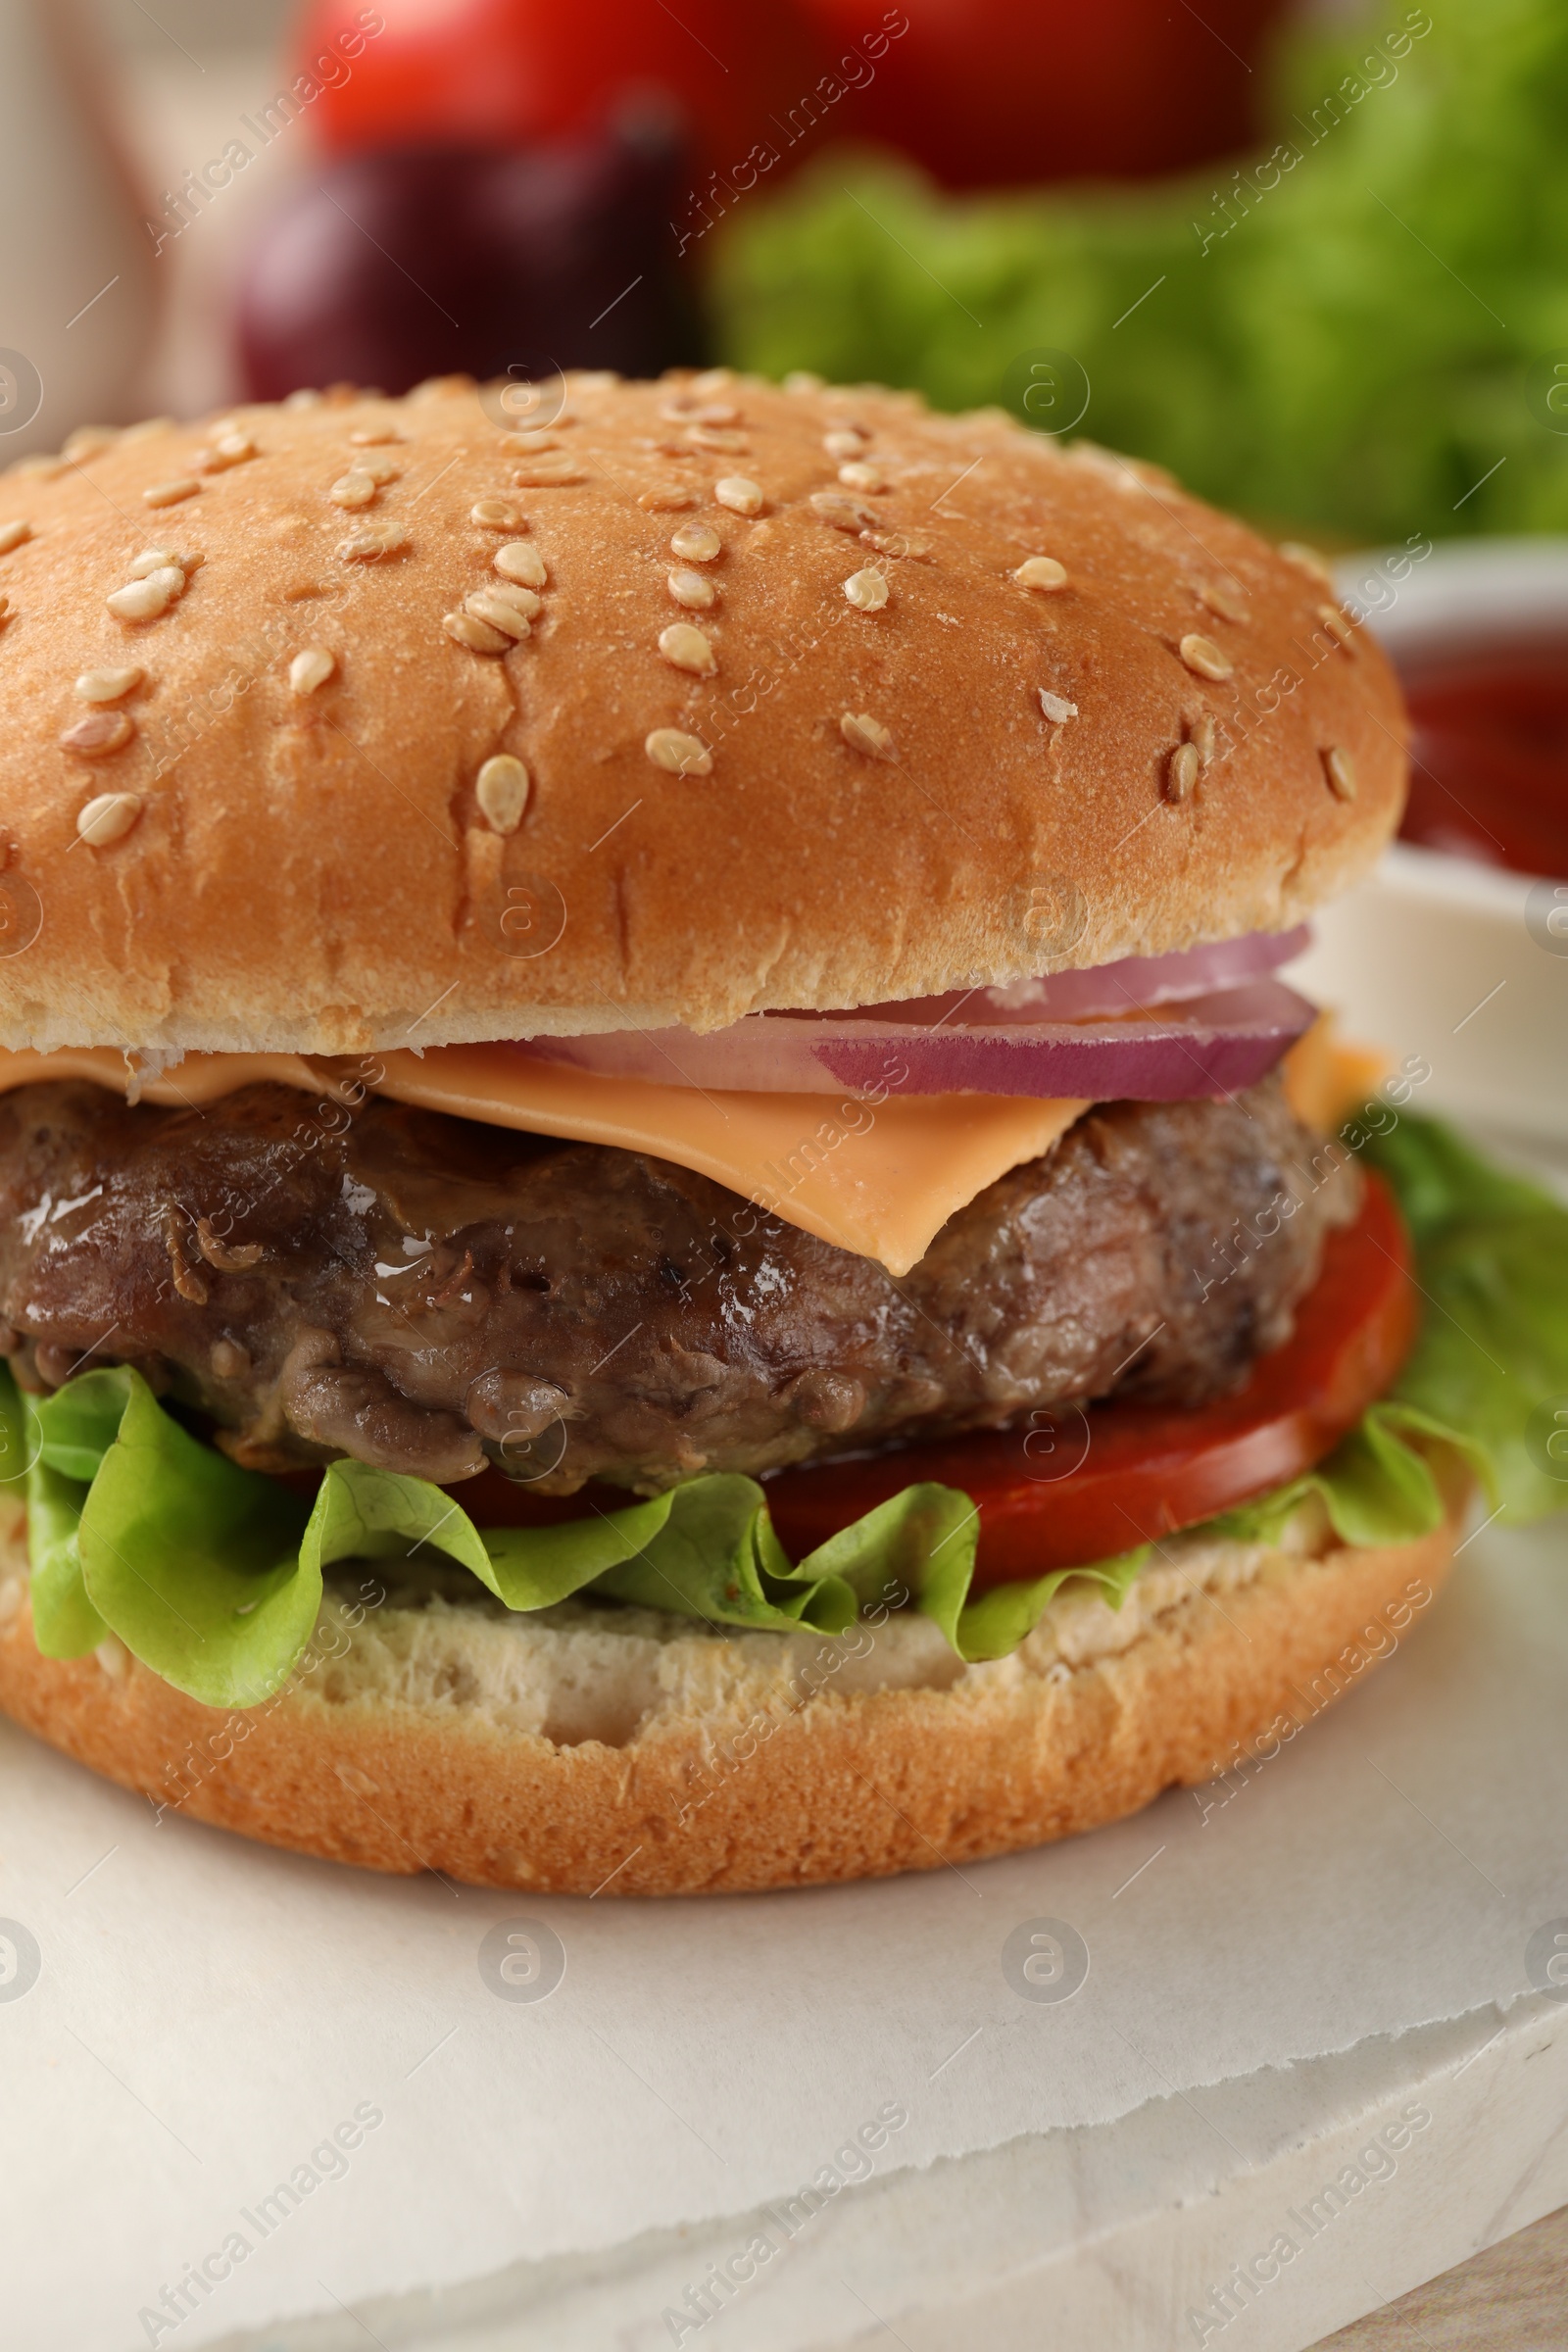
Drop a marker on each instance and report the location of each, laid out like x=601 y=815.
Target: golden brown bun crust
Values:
x=314 y=872
x=839 y=1788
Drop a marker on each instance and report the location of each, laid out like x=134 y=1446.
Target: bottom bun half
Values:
x=594 y=1748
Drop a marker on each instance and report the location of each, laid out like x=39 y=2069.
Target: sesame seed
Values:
x=1228 y=602
x=14 y=534
x=311 y=669
x=665 y=498
x=1204 y=659
x=375 y=437
x=171 y=494
x=353 y=490
x=98 y=734
x=805 y=380
x=1341 y=772
x=741 y=495
x=500 y=789
x=145 y=600
x=518 y=561
x=863 y=733
x=1040 y=572
x=697 y=542
x=497 y=612
x=152 y=559
x=108 y=685
x=302 y=399
x=1307 y=558
x=497 y=514
x=1181 y=771
x=691 y=589
x=148 y=430
x=479 y=636
x=547 y=473
x=231 y=449
x=846 y=443
x=108 y=818
x=89 y=441
x=867 y=591
x=1055 y=708
x=714 y=379
x=844 y=513
x=521 y=600
x=381 y=471
x=899 y=544
x=371 y=545
x=465 y=628
x=700 y=412
x=1339 y=625
x=677 y=754
x=537 y=443
x=1203 y=737
x=686 y=647
x=860 y=476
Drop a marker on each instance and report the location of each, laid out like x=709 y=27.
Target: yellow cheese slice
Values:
x=877 y=1178
x=1327 y=1077
x=199 y=1078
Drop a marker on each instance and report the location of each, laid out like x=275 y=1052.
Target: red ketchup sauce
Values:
x=1489 y=772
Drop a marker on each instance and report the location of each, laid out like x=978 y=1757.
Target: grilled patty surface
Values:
x=433 y=1294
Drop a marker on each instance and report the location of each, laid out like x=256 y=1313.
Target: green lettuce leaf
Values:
x=716 y=1556
x=65 y=1622
x=1374 y=1487
x=213 y=1575
x=1491 y=1356
x=708 y=1551
x=15 y=1439
x=195 y=1563
x=1410 y=190
x=79 y=1423
x=993 y=1625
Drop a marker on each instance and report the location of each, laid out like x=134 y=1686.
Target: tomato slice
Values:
x=1085 y=1483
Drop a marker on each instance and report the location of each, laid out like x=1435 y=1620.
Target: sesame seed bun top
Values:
x=353 y=718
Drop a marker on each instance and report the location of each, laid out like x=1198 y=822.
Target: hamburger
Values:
x=663 y=1223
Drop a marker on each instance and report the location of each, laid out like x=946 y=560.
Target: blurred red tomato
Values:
x=996 y=93
x=443 y=72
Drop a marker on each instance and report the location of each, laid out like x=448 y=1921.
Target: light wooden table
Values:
x=1512 y=2298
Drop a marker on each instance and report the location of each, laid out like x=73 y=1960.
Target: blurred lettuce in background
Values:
x=1348 y=333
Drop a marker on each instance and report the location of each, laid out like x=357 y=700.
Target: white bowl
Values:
x=1463 y=965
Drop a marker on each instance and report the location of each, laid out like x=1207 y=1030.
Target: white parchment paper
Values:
x=207 y=2012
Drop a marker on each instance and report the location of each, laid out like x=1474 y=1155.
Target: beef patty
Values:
x=428 y=1294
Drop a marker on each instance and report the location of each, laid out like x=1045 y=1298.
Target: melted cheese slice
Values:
x=878 y=1179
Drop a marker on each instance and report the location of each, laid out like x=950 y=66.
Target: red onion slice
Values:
x=1213 y=1044
x=1111 y=989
